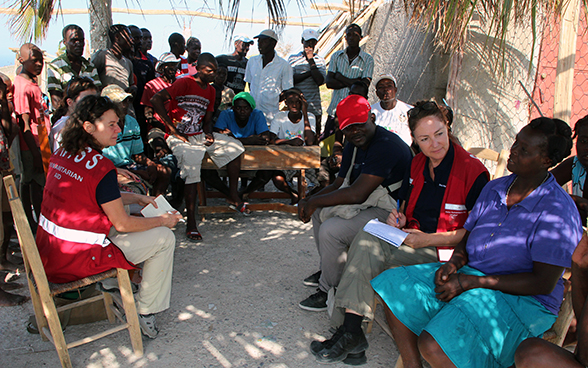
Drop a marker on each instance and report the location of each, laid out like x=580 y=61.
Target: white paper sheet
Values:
x=385 y=232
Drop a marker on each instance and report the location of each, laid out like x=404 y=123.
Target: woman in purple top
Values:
x=503 y=282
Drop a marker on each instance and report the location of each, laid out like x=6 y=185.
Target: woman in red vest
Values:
x=84 y=229
x=443 y=186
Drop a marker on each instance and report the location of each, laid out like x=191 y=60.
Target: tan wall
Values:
x=489 y=108
x=408 y=53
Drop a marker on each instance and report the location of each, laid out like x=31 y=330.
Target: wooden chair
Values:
x=488 y=154
x=42 y=291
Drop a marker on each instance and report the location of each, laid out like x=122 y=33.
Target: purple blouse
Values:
x=544 y=227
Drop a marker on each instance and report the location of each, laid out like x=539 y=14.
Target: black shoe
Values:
x=315 y=303
x=317 y=346
x=355 y=359
x=312 y=280
x=347 y=344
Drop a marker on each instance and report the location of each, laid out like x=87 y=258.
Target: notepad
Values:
x=387 y=233
x=163 y=207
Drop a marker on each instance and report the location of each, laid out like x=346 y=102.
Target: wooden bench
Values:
x=265 y=158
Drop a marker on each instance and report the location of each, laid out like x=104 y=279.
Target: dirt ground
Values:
x=234 y=304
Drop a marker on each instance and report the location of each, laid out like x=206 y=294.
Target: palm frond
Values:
x=32 y=19
x=450 y=19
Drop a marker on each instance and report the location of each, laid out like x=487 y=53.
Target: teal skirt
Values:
x=479 y=328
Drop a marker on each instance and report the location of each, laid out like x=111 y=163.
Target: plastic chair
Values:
x=42 y=291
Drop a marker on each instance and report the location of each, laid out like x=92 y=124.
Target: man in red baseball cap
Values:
x=372 y=169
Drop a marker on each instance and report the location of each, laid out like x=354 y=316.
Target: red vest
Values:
x=72 y=231
x=465 y=169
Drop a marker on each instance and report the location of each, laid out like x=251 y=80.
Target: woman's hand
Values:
x=143 y=200
x=396 y=219
x=451 y=288
x=416 y=239
x=442 y=275
x=170 y=219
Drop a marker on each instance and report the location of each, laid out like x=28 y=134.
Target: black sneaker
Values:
x=316 y=302
x=317 y=346
x=312 y=280
x=347 y=343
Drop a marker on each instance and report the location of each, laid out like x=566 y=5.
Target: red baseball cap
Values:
x=353 y=109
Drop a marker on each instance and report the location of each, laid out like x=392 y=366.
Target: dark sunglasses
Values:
x=427 y=106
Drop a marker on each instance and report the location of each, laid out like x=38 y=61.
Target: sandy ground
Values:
x=234 y=304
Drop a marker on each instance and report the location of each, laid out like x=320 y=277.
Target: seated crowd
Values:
x=476 y=281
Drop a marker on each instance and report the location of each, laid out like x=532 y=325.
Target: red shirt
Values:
x=189 y=104
x=151 y=88
x=28 y=99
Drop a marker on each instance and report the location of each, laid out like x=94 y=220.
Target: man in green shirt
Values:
x=70 y=64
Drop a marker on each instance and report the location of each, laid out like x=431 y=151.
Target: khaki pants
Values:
x=333 y=238
x=367 y=257
x=155 y=248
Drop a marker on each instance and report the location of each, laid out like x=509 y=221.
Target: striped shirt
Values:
x=60 y=72
x=308 y=86
x=128 y=143
x=361 y=67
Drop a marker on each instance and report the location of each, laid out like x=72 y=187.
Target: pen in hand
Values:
x=398 y=209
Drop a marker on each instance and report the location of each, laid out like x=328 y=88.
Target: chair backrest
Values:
x=488 y=154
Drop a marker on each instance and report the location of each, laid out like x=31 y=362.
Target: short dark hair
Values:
x=115 y=30
x=559 y=137
x=175 y=38
x=70 y=27
x=145 y=30
x=354 y=26
x=192 y=40
x=206 y=58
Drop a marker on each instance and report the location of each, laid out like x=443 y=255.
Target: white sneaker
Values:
x=148 y=326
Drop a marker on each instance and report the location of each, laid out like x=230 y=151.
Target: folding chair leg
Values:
x=50 y=313
x=38 y=308
x=126 y=293
x=399 y=363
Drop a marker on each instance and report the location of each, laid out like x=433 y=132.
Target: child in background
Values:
x=30 y=109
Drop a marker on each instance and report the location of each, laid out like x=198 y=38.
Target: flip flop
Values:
x=194 y=235
x=241 y=208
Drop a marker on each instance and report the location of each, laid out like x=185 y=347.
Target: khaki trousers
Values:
x=368 y=256
x=155 y=248
x=333 y=238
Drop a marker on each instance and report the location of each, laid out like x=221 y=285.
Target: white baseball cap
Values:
x=267 y=33
x=242 y=37
x=385 y=76
x=310 y=34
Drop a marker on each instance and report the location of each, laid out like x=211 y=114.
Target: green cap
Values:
x=247 y=97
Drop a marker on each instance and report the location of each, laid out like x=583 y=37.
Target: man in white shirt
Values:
x=268 y=75
x=391 y=114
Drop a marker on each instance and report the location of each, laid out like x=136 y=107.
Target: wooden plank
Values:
x=275 y=158
x=566 y=58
